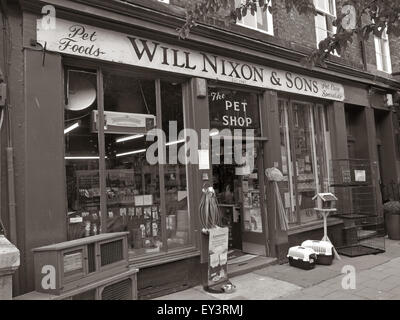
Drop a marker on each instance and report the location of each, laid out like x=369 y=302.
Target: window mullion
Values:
x=161 y=167
x=294 y=159
x=102 y=153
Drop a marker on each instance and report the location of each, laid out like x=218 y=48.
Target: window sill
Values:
x=384 y=72
x=313 y=226
x=255 y=29
x=163 y=258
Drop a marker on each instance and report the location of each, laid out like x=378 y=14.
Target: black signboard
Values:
x=233 y=109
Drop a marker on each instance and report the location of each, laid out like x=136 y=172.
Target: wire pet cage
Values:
x=363 y=231
x=351 y=172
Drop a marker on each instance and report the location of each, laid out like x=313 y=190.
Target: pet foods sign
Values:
x=97 y=43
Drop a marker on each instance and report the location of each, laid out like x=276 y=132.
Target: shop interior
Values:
x=236 y=168
x=154 y=211
x=238 y=192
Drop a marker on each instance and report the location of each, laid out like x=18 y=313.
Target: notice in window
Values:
x=204 y=160
x=360 y=176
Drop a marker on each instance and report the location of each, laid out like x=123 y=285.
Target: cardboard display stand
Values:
x=217 y=271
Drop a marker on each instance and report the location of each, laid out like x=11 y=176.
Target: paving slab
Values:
x=249 y=286
x=340 y=295
x=392 y=248
x=396 y=291
x=257 y=287
x=377 y=278
x=302 y=278
x=317 y=291
x=189 y=294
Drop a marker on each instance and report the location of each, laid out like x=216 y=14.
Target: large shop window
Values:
x=305 y=150
x=153 y=210
x=81 y=154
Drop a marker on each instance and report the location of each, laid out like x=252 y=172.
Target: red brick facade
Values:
x=297 y=32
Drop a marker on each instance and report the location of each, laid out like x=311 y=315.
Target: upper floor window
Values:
x=261 y=21
x=326 y=6
x=382 y=50
x=326 y=14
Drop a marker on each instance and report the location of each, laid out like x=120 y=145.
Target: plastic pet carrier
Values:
x=303 y=258
x=323 y=250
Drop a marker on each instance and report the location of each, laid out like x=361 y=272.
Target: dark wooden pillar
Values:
x=197 y=118
x=370 y=136
x=44 y=213
x=338 y=130
x=278 y=242
x=390 y=172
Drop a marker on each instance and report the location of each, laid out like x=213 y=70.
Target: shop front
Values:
x=145 y=122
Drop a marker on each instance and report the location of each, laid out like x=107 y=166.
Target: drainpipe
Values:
x=363 y=49
x=11 y=195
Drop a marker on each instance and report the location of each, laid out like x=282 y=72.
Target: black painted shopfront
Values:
x=135 y=80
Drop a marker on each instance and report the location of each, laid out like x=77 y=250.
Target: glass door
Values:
x=253 y=208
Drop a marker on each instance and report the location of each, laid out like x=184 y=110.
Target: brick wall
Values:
x=395 y=53
x=297 y=32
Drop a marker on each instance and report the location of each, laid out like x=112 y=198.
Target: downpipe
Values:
x=11 y=195
x=12 y=212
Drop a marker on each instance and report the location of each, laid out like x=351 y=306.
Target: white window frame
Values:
x=327 y=4
x=380 y=43
x=269 y=19
x=326 y=14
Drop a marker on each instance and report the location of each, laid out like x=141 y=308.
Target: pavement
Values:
x=376 y=277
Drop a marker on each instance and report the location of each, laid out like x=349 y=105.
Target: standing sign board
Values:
x=218 y=256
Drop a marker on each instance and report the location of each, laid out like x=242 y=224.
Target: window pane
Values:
x=133 y=188
x=322 y=146
x=286 y=186
x=321 y=28
x=332 y=7
x=176 y=192
x=249 y=20
x=81 y=154
x=305 y=165
x=327 y=6
x=262 y=20
x=259 y=21
x=386 y=55
x=321 y=4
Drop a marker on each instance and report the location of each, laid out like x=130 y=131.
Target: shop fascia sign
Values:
x=97 y=43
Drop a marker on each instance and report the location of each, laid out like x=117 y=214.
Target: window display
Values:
x=176 y=195
x=133 y=187
x=154 y=211
x=305 y=151
x=81 y=155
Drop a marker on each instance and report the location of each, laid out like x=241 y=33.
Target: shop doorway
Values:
x=241 y=194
